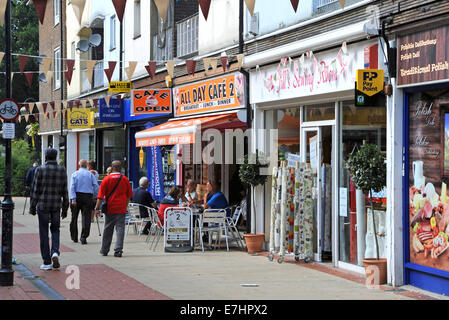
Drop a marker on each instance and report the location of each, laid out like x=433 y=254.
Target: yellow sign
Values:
x=370 y=81
x=80 y=118
x=120 y=86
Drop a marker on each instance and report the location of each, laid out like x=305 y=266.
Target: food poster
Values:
x=428 y=179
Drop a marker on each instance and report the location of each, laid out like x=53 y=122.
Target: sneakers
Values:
x=46 y=267
x=55 y=260
x=118 y=254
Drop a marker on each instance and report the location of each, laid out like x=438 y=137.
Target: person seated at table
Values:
x=182 y=198
x=170 y=200
x=143 y=197
x=191 y=194
x=215 y=199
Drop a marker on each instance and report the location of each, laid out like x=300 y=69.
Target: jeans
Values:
x=111 y=221
x=83 y=204
x=46 y=218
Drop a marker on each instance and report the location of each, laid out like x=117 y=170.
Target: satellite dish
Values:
x=83 y=45
x=161 y=35
x=95 y=40
x=42 y=78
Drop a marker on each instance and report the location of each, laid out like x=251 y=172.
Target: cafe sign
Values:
x=80 y=118
x=423 y=57
x=151 y=101
x=219 y=94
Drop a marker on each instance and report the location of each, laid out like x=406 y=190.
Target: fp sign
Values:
x=9 y=109
x=370 y=81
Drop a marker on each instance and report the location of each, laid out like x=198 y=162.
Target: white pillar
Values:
x=44 y=146
x=394 y=186
x=259 y=199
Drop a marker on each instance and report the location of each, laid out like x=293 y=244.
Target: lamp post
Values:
x=6 y=272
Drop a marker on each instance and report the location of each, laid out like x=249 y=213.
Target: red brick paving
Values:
x=23 y=289
x=98 y=282
x=14 y=224
x=29 y=243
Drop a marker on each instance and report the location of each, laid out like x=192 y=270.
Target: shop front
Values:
x=423 y=74
x=205 y=114
x=308 y=110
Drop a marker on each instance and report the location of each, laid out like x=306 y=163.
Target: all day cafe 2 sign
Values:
x=223 y=93
x=80 y=118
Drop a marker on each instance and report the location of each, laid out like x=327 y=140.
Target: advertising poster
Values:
x=112 y=113
x=178 y=225
x=224 y=93
x=428 y=179
x=156 y=174
x=80 y=118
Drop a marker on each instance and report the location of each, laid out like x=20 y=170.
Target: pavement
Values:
x=144 y=274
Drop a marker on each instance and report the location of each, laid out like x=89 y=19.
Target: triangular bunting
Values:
x=36 y=116
x=130 y=69
x=162 y=8
x=2 y=11
x=46 y=62
x=206 y=62
x=213 y=64
x=55 y=114
x=22 y=62
x=90 y=64
x=68 y=74
x=151 y=68
x=84 y=103
x=224 y=62
x=52 y=105
x=240 y=60
x=250 y=5
x=49 y=76
x=204 y=5
x=110 y=71
x=170 y=67
x=2 y=54
x=58 y=106
x=27 y=117
x=295 y=4
x=191 y=64
x=44 y=106
x=120 y=6
x=78 y=8
x=40 y=6
x=107 y=99
x=91 y=103
x=29 y=77
x=30 y=107
x=342 y=3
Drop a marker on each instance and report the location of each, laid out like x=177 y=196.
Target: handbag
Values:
x=104 y=205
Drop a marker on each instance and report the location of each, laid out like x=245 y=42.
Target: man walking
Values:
x=115 y=191
x=30 y=175
x=49 y=187
x=83 y=186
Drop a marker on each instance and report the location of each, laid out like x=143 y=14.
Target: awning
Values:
x=182 y=131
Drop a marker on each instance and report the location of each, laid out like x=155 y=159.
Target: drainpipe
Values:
x=61 y=26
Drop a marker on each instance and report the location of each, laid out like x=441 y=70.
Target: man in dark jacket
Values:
x=143 y=197
x=48 y=188
x=30 y=176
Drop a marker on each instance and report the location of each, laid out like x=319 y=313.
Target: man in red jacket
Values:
x=117 y=188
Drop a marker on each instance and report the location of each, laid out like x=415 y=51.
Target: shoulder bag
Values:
x=104 y=205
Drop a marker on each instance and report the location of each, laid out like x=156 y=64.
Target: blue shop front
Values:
x=423 y=74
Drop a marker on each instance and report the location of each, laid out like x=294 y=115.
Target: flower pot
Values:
x=254 y=242
x=372 y=265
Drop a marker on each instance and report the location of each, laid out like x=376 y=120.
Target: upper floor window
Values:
x=137 y=21
x=57 y=65
x=112 y=42
x=187 y=36
x=163 y=35
x=56 y=11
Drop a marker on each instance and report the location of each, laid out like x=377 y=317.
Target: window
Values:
x=112 y=33
x=73 y=50
x=57 y=64
x=187 y=33
x=56 y=9
x=136 y=18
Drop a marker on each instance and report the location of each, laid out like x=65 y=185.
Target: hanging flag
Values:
x=52 y=105
x=170 y=65
x=206 y=63
x=213 y=64
x=107 y=99
x=49 y=76
x=95 y=102
x=120 y=6
x=68 y=74
x=36 y=116
x=295 y=4
x=70 y=105
x=27 y=117
x=55 y=114
x=342 y=3
x=110 y=71
x=191 y=64
x=130 y=69
x=2 y=54
x=90 y=64
x=2 y=11
x=162 y=8
x=250 y=5
x=78 y=8
x=84 y=104
x=204 y=5
x=224 y=62
x=151 y=68
x=240 y=60
x=64 y=105
x=40 y=6
x=46 y=64
x=344 y=48
x=91 y=103
x=58 y=106
x=44 y=106
x=22 y=62
x=29 y=77
x=29 y=107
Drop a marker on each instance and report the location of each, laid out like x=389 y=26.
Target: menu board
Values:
x=428 y=174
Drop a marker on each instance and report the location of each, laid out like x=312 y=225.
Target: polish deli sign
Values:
x=219 y=94
x=311 y=74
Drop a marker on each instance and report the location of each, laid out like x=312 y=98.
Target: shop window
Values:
x=320 y=112
x=113 y=147
x=87 y=145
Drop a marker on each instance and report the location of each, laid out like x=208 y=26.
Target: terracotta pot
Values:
x=371 y=265
x=254 y=242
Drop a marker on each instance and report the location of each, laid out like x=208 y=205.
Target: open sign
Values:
x=151 y=101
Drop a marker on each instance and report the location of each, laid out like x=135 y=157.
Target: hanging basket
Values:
x=254 y=242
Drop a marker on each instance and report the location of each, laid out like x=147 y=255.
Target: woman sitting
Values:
x=170 y=200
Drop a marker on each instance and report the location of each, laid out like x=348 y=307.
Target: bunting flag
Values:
x=46 y=62
x=250 y=5
x=110 y=71
x=344 y=48
x=27 y=117
x=224 y=62
x=30 y=107
x=162 y=8
x=52 y=105
x=213 y=64
x=342 y=3
x=29 y=77
x=78 y=8
x=205 y=6
x=39 y=107
x=64 y=105
x=22 y=62
x=49 y=76
x=44 y=106
x=55 y=114
x=36 y=116
x=151 y=69
x=95 y=102
x=90 y=64
x=84 y=104
x=70 y=105
x=12 y=76
x=58 y=106
x=68 y=74
x=206 y=62
x=295 y=4
x=40 y=6
x=191 y=64
x=91 y=103
x=107 y=99
x=240 y=60
x=130 y=69
x=2 y=54
x=120 y=6
x=2 y=11
x=170 y=65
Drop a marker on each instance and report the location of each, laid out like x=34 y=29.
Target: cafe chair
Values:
x=213 y=221
x=133 y=218
x=156 y=229
x=231 y=225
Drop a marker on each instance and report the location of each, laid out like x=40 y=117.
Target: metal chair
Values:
x=231 y=225
x=216 y=223
x=133 y=217
x=156 y=229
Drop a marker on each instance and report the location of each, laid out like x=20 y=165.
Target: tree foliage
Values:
x=250 y=170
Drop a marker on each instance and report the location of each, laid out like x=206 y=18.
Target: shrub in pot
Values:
x=369 y=174
x=250 y=174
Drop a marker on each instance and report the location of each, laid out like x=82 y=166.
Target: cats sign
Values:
x=151 y=101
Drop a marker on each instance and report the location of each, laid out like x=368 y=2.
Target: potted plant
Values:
x=369 y=174
x=250 y=173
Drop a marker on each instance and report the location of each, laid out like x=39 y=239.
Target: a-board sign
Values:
x=120 y=86
x=178 y=235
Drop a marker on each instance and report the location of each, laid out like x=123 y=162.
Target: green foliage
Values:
x=368 y=168
x=249 y=172
x=22 y=160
